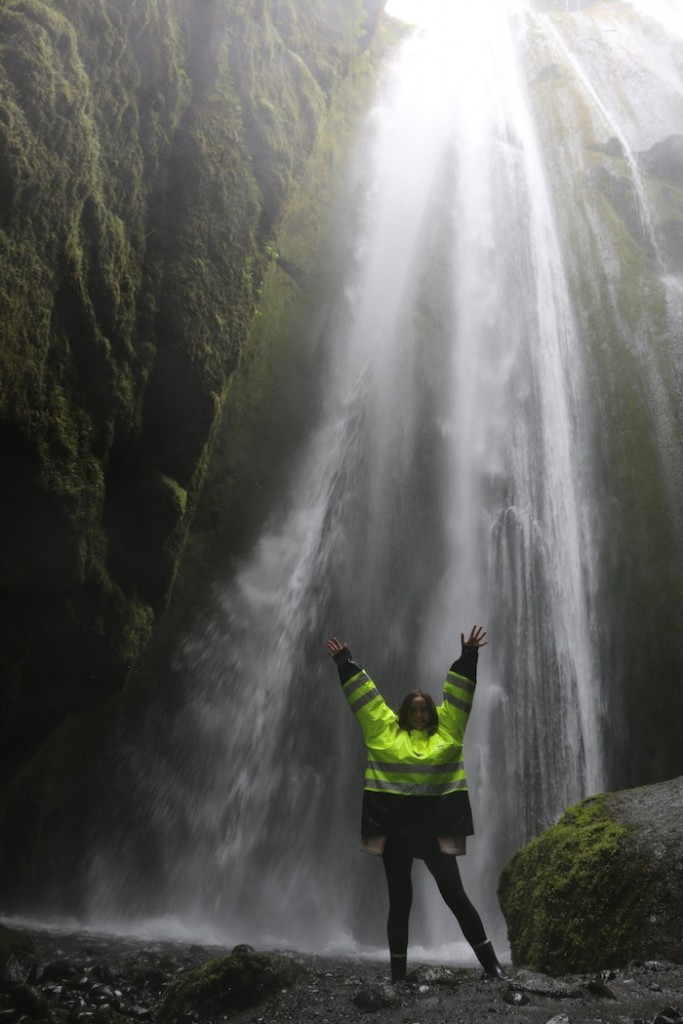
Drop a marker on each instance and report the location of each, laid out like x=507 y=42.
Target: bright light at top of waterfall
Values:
x=426 y=12
x=405 y=10
x=668 y=12
x=420 y=12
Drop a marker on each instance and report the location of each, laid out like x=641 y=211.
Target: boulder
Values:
x=230 y=983
x=371 y=998
x=602 y=887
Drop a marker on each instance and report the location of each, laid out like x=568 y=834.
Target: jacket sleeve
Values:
x=458 y=693
x=363 y=697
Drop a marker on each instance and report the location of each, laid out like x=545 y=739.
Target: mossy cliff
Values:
x=145 y=153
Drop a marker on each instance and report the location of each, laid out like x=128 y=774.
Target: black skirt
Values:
x=389 y=814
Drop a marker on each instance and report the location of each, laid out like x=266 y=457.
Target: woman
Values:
x=415 y=801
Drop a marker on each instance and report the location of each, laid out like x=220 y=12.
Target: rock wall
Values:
x=145 y=153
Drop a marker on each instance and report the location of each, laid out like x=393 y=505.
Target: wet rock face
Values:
x=661 y=168
x=145 y=152
x=603 y=886
x=663 y=162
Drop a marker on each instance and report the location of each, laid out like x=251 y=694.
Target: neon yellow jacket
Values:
x=412 y=763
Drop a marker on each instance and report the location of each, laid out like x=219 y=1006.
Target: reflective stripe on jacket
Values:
x=412 y=763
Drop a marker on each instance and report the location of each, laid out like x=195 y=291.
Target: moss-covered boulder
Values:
x=602 y=887
x=230 y=983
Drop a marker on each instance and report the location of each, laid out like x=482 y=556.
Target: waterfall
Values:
x=456 y=475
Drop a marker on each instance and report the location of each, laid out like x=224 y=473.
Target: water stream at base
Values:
x=451 y=480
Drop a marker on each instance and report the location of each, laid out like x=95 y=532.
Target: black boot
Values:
x=489 y=961
x=398 y=967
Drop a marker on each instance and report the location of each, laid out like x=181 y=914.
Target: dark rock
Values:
x=59 y=970
x=52 y=990
x=79 y=982
x=377 y=997
x=77 y=1007
x=549 y=73
x=598 y=988
x=542 y=985
x=101 y=994
x=665 y=159
x=427 y=1002
x=28 y=1000
x=17 y=957
x=668 y=1016
x=151 y=976
x=613 y=147
x=425 y=974
x=105 y=973
x=654 y=817
x=140 y=1012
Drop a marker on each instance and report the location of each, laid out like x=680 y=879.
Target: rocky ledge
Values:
x=87 y=978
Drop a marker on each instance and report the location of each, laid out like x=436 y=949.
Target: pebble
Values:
x=515 y=998
x=598 y=988
x=668 y=1016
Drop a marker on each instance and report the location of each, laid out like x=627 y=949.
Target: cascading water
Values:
x=455 y=477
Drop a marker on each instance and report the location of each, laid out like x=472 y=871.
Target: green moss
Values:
x=573 y=897
x=228 y=984
x=277 y=378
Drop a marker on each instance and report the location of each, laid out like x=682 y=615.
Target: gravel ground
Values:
x=86 y=978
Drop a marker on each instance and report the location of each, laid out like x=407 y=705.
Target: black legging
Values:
x=398 y=857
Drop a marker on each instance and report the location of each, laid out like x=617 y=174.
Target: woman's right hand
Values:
x=475 y=639
x=335 y=646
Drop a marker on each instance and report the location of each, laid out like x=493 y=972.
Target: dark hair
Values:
x=405 y=709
